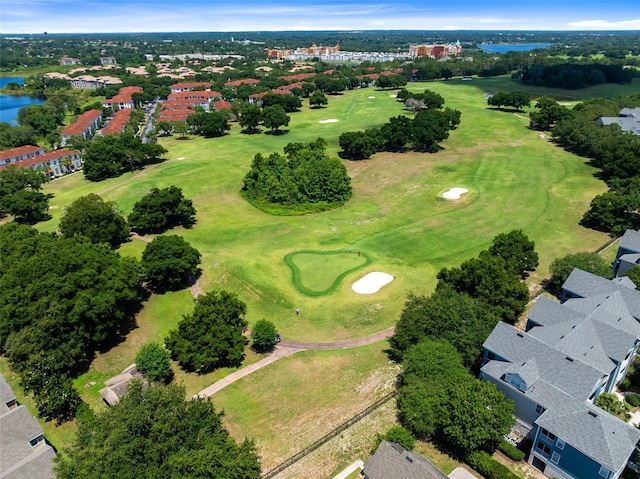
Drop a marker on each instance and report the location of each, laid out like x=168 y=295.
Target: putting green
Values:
x=317 y=273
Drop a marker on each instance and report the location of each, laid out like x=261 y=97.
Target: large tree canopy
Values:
x=156 y=433
x=99 y=221
x=304 y=180
x=60 y=299
x=562 y=267
x=20 y=194
x=438 y=397
x=169 y=262
x=457 y=317
x=212 y=336
x=517 y=251
x=160 y=210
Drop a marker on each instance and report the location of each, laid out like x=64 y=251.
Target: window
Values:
x=543 y=449
x=555 y=458
x=604 y=472
x=11 y=404
x=560 y=444
x=36 y=441
x=539 y=409
x=547 y=435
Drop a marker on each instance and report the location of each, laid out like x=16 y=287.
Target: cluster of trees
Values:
x=209 y=125
x=572 y=76
x=21 y=195
x=439 y=341
x=155 y=432
x=273 y=117
x=60 y=299
x=614 y=152
x=510 y=99
x=429 y=127
x=112 y=155
x=304 y=179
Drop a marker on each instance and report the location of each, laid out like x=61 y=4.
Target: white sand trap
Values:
x=330 y=120
x=371 y=283
x=454 y=193
x=370 y=97
x=393 y=96
x=541 y=135
x=180 y=159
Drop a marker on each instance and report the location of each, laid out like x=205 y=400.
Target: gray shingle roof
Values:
x=18 y=460
x=592 y=431
x=634 y=112
x=583 y=284
x=392 y=461
x=546 y=312
x=556 y=367
x=630 y=240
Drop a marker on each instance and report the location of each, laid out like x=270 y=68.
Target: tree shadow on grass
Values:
x=276 y=132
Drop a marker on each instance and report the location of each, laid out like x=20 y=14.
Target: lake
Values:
x=511 y=47
x=10 y=104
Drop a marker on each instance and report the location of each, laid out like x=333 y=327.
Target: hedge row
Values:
x=483 y=463
x=511 y=451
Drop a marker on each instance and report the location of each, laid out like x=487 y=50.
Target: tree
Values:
x=515 y=99
x=397 y=133
x=318 y=99
x=250 y=117
x=548 y=113
x=153 y=433
x=489 y=280
x=610 y=403
x=517 y=251
x=429 y=128
x=169 y=262
x=153 y=361
x=438 y=397
x=160 y=210
x=634 y=275
x=208 y=124
x=273 y=117
x=357 y=145
x=445 y=315
x=264 y=335
x=99 y=221
x=20 y=194
x=397 y=434
x=211 y=337
x=58 y=400
x=561 y=268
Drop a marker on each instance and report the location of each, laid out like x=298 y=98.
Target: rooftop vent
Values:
x=591 y=413
x=569 y=359
x=520 y=335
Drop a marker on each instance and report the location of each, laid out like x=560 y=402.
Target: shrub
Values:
x=153 y=361
x=633 y=400
x=483 y=463
x=399 y=435
x=264 y=335
x=511 y=451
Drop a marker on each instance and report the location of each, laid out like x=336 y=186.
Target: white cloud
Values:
x=605 y=25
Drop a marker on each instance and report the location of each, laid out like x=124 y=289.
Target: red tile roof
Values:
x=119 y=121
x=298 y=77
x=246 y=81
x=222 y=105
x=175 y=115
x=20 y=151
x=188 y=86
x=76 y=129
x=41 y=159
x=180 y=95
x=90 y=115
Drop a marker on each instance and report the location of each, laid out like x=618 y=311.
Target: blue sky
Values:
x=86 y=16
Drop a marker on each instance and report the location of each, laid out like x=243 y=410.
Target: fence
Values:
x=327 y=437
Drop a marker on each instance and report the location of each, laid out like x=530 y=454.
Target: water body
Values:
x=511 y=47
x=10 y=104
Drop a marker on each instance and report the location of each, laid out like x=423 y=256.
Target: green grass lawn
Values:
x=397 y=219
x=317 y=273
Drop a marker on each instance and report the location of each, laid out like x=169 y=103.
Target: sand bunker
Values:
x=370 y=97
x=180 y=159
x=393 y=96
x=371 y=283
x=454 y=193
x=330 y=120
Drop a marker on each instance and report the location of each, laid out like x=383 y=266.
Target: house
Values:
x=236 y=83
x=569 y=354
x=124 y=98
x=116 y=387
x=69 y=61
x=89 y=82
x=118 y=122
x=108 y=61
x=628 y=119
x=85 y=126
x=392 y=461
x=55 y=163
x=24 y=452
x=20 y=153
x=179 y=87
x=628 y=254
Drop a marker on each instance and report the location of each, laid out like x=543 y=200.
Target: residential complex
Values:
x=628 y=255
x=569 y=354
x=628 y=120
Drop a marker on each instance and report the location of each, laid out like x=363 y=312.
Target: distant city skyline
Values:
x=103 y=16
